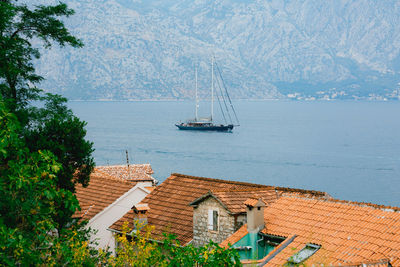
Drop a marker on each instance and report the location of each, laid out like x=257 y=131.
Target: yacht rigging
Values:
x=219 y=91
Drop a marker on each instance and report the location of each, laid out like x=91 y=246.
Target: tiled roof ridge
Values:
x=279 y=188
x=233 y=190
x=110 y=177
x=219 y=180
x=253 y=201
x=124 y=165
x=355 y=203
x=303 y=191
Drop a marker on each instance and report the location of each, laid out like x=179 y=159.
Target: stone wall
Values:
x=201 y=233
x=241 y=219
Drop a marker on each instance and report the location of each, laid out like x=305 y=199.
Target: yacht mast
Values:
x=212 y=88
x=197 y=99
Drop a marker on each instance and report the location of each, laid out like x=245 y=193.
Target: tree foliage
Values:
x=136 y=248
x=56 y=129
x=28 y=193
x=43 y=151
x=47 y=123
x=19 y=25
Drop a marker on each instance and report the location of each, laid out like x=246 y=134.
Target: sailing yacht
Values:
x=207 y=124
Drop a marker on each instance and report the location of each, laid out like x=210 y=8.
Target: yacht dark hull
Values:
x=216 y=128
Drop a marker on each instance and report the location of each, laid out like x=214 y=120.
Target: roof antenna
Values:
x=127 y=162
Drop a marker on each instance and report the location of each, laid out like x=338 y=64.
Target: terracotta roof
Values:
x=141 y=207
x=128 y=217
x=169 y=202
x=101 y=192
x=135 y=172
x=378 y=263
x=233 y=200
x=250 y=202
x=239 y=234
x=349 y=233
x=253 y=201
x=150 y=188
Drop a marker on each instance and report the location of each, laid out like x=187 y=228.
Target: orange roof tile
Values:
x=101 y=192
x=169 y=202
x=239 y=234
x=150 y=188
x=376 y=263
x=233 y=200
x=135 y=172
x=254 y=200
x=128 y=217
x=250 y=202
x=349 y=233
x=141 y=207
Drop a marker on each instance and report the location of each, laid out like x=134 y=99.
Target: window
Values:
x=304 y=254
x=213 y=220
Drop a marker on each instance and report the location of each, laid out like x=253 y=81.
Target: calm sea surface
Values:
x=348 y=149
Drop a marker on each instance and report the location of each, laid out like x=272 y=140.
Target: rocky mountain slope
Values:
x=147 y=49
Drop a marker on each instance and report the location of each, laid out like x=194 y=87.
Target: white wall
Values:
x=103 y=220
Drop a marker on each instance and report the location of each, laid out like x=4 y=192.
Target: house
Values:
x=271 y=226
x=112 y=191
x=173 y=207
x=218 y=214
x=296 y=230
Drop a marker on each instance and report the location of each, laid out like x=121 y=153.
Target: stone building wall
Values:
x=201 y=233
x=240 y=220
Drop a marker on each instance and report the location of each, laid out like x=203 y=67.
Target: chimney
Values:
x=140 y=218
x=255 y=214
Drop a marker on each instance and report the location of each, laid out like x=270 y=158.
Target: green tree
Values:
x=56 y=129
x=43 y=151
x=19 y=25
x=28 y=194
x=136 y=248
x=48 y=125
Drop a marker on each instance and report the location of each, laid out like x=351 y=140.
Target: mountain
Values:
x=147 y=49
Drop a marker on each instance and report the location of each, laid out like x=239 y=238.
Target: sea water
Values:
x=349 y=149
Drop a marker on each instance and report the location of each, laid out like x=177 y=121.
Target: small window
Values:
x=304 y=254
x=213 y=220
